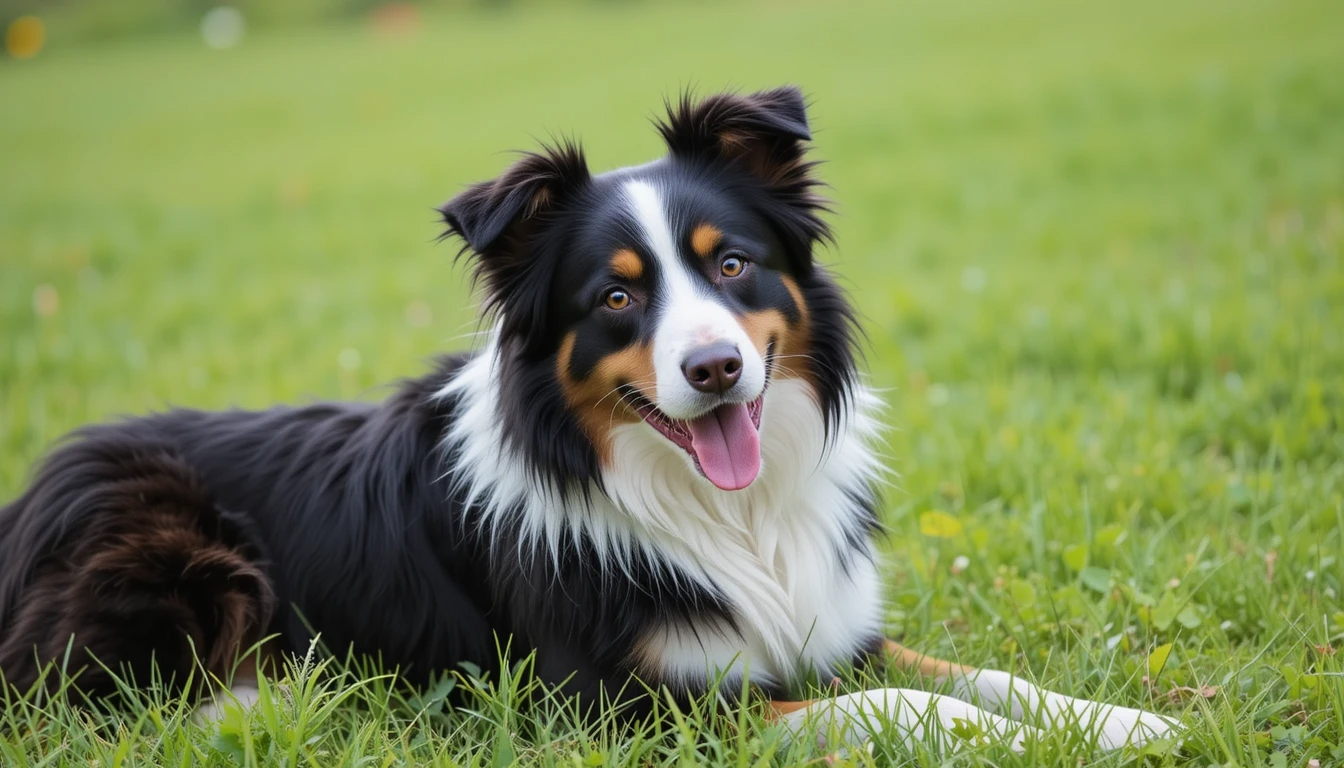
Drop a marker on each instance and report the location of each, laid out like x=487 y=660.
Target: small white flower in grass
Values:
x=1176 y=293
x=223 y=27
x=960 y=564
x=974 y=279
x=349 y=359
x=937 y=394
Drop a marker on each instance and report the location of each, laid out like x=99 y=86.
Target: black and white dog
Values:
x=659 y=467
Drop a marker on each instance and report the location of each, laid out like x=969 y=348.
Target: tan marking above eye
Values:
x=704 y=239
x=627 y=265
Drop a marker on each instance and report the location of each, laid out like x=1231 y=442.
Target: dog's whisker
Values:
x=633 y=385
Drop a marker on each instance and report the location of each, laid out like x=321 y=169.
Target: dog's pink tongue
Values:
x=726 y=443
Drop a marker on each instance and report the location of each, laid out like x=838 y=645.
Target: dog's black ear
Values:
x=765 y=134
x=536 y=182
x=762 y=130
x=500 y=222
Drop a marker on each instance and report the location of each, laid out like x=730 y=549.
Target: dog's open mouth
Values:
x=724 y=443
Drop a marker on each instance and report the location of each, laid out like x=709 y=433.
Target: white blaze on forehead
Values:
x=648 y=209
x=690 y=315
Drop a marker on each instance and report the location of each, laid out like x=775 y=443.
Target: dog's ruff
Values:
x=770 y=550
x=659 y=468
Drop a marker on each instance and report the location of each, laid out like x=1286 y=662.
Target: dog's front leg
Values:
x=854 y=718
x=1018 y=699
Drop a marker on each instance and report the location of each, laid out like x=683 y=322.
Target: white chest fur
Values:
x=779 y=552
x=786 y=624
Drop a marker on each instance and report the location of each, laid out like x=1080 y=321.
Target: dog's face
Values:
x=668 y=295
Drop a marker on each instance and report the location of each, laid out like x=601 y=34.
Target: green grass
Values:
x=1099 y=251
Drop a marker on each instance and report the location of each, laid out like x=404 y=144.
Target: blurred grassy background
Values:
x=1097 y=246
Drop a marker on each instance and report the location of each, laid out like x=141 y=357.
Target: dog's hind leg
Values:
x=1013 y=697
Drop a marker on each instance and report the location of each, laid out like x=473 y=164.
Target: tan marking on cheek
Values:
x=792 y=354
x=790 y=342
x=627 y=265
x=791 y=286
x=704 y=239
x=765 y=327
x=595 y=401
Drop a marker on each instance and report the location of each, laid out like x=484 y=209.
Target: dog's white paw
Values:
x=1121 y=726
x=1114 y=727
x=853 y=719
x=243 y=697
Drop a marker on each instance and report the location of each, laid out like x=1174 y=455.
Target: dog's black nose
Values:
x=714 y=368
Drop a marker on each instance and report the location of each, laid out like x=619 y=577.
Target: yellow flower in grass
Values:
x=25 y=36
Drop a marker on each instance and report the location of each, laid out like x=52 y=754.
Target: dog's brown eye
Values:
x=732 y=266
x=617 y=299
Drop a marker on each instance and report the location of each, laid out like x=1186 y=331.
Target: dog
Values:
x=657 y=473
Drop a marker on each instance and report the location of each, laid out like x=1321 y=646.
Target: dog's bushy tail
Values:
x=117 y=553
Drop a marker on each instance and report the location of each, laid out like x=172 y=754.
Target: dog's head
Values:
x=664 y=297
